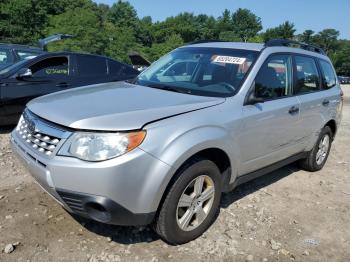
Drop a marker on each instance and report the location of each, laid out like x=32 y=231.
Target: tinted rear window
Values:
x=91 y=65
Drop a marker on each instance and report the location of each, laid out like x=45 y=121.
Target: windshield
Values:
x=200 y=71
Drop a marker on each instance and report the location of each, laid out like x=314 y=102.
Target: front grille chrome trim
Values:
x=42 y=137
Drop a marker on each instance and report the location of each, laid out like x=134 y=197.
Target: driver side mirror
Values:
x=24 y=73
x=252 y=99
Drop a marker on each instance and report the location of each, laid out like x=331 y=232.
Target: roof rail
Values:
x=292 y=43
x=205 y=41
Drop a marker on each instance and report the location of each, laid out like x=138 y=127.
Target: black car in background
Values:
x=13 y=53
x=52 y=72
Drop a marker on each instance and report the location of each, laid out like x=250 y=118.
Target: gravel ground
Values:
x=288 y=215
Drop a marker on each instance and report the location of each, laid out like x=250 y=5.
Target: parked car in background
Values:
x=138 y=61
x=13 y=53
x=52 y=72
x=344 y=80
x=161 y=149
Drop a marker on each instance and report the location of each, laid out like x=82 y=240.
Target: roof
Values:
x=257 y=47
x=233 y=45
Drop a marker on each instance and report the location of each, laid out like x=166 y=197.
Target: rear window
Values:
x=329 y=77
x=91 y=65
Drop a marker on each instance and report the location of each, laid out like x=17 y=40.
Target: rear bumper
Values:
x=122 y=191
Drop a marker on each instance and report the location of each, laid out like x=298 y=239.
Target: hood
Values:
x=115 y=106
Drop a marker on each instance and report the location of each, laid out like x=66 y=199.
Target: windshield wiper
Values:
x=170 y=88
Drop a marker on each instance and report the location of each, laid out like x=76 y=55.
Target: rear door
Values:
x=270 y=129
x=308 y=89
x=90 y=69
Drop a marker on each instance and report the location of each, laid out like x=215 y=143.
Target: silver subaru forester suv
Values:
x=162 y=148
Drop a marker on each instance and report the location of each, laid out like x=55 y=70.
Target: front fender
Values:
x=174 y=148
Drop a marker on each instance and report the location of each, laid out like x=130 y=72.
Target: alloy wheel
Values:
x=323 y=147
x=195 y=203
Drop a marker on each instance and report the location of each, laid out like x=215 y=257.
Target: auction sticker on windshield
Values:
x=229 y=60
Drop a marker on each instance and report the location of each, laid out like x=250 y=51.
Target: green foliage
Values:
x=84 y=24
x=245 y=24
x=122 y=14
x=341 y=58
x=117 y=30
x=283 y=31
x=159 y=49
x=18 y=24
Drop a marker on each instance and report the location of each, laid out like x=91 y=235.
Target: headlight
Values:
x=104 y=146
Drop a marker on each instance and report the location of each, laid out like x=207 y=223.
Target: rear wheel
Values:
x=318 y=156
x=191 y=203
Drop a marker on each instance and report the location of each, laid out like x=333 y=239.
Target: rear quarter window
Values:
x=329 y=77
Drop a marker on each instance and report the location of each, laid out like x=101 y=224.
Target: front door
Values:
x=270 y=129
x=48 y=75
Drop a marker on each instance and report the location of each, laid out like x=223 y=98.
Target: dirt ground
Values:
x=288 y=215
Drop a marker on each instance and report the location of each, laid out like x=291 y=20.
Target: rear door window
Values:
x=274 y=79
x=89 y=65
x=328 y=74
x=308 y=79
x=54 y=67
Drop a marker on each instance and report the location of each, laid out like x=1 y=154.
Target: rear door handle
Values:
x=62 y=85
x=293 y=110
x=325 y=102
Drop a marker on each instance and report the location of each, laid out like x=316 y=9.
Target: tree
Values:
x=327 y=39
x=245 y=24
x=224 y=22
x=18 y=24
x=118 y=42
x=84 y=24
x=283 y=31
x=307 y=36
x=341 y=58
x=158 y=50
x=123 y=14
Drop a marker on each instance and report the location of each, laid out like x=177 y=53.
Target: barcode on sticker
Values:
x=229 y=60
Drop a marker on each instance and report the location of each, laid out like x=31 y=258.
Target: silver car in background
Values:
x=198 y=122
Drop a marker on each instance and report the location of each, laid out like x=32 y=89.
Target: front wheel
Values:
x=191 y=203
x=318 y=156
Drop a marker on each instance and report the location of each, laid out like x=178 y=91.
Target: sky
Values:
x=305 y=14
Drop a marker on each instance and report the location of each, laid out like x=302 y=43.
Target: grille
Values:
x=39 y=141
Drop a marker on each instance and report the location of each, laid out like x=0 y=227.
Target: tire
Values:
x=171 y=223
x=312 y=163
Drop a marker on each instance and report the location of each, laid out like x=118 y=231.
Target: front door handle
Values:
x=325 y=102
x=62 y=85
x=293 y=110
